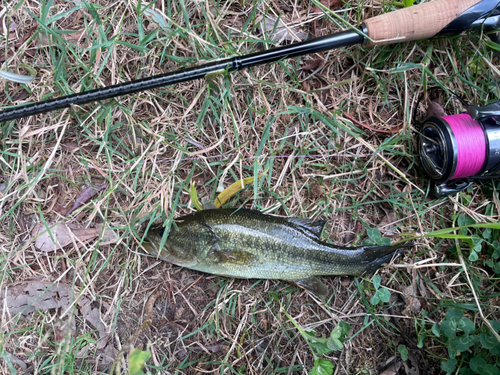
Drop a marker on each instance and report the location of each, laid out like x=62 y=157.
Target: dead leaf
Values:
x=85 y=196
x=330 y=4
x=391 y=370
x=21 y=95
x=435 y=109
x=316 y=191
x=60 y=209
x=411 y=299
x=312 y=64
x=27 y=297
x=60 y=328
x=15 y=361
x=76 y=37
x=12 y=26
x=61 y=235
x=207 y=349
x=108 y=237
x=72 y=147
x=278 y=32
x=387 y=224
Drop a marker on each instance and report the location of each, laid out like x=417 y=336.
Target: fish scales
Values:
x=249 y=244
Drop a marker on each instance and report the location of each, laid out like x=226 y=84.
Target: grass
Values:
x=279 y=120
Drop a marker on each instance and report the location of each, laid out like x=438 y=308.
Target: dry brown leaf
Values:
x=389 y=371
x=278 y=32
x=331 y=4
x=387 y=224
x=15 y=361
x=27 y=297
x=73 y=37
x=59 y=209
x=435 y=109
x=412 y=301
x=312 y=64
x=61 y=235
x=108 y=237
x=85 y=196
x=21 y=95
x=207 y=349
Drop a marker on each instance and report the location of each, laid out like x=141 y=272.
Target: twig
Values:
x=392 y=131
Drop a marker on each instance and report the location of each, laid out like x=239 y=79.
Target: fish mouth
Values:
x=150 y=247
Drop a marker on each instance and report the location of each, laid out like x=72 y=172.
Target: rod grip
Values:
x=416 y=22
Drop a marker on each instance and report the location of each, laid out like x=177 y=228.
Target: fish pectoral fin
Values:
x=236 y=257
x=314 y=285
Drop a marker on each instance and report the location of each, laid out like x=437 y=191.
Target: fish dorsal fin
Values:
x=313 y=226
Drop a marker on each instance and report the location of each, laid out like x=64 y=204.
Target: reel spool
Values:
x=458 y=149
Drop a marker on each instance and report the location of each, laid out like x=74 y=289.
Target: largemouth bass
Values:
x=249 y=244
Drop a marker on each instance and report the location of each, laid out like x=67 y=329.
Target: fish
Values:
x=243 y=243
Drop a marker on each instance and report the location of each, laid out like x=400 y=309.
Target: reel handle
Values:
x=419 y=21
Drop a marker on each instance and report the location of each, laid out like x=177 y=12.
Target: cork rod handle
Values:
x=416 y=22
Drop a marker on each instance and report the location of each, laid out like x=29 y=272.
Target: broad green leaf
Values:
x=408 y=3
x=495 y=324
x=336 y=333
x=449 y=366
x=320 y=347
x=344 y=329
x=436 y=329
x=310 y=333
x=477 y=364
x=334 y=343
x=478 y=244
x=194 y=197
x=375 y=299
x=490 y=370
x=384 y=294
x=463 y=343
x=374 y=234
x=384 y=241
x=488 y=341
x=473 y=256
x=466 y=325
x=449 y=328
x=454 y=314
x=421 y=338
x=322 y=367
x=376 y=281
x=496 y=246
x=136 y=361
x=403 y=351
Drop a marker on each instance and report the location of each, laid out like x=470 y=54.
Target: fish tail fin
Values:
x=380 y=255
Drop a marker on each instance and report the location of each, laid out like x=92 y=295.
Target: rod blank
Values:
x=337 y=40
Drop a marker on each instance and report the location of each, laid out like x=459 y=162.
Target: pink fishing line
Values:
x=471 y=144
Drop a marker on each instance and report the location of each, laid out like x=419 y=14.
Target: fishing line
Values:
x=199 y=158
x=471 y=144
x=458 y=149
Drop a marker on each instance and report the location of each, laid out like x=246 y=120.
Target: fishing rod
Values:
x=436 y=18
